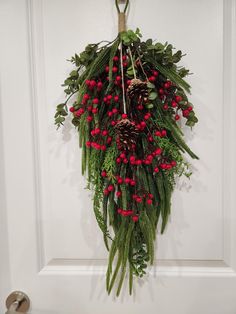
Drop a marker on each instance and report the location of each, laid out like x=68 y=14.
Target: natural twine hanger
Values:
x=122 y=16
x=122 y=28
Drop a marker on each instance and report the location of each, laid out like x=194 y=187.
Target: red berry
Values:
x=119 y=211
x=95 y=110
x=114 y=69
x=177 y=117
x=124 y=58
x=89 y=118
x=128 y=82
x=138 y=162
x=86 y=97
x=161 y=91
x=116 y=98
x=190 y=108
x=124 y=116
x=93 y=83
x=106 y=192
x=158 y=133
x=163 y=166
x=95 y=101
x=114 y=110
x=167 y=84
x=122 y=155
x=140 y=107
x=125 y=161
x=104 y=132
x=143 y=124
x=150 y=196
x=103 y=174
x=155 y=73
x=116 y=59
x=150 y=139
x=110 y=188
x=165 y=107
x=125 y=64
x=163 y=133
x=178 y=98
x=132 y=158
x=147 y=116
x=119 y=180
x=109 y=139
x=113 y=123
x=118 y=193
x=103 y=147
x=186 y=113
x=97 y=131
x=118 y=160
x=152 y=79
x=118 y=78
x=173 y=163
x=127 y=180
x=156 y=169
x=174 y=104
x=138 y=199
x=88 y=144
x=107 y=68
x=158 y=151
x=132 y=183
x=90 y=108
x=149 y=201
x=135 y=218
x=99 y=85
x=109 y=97
x=125 y=213
x=72 y=109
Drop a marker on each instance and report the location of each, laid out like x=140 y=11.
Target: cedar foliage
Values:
x=133 y=214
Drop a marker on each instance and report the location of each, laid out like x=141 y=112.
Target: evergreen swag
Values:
x=131 y=141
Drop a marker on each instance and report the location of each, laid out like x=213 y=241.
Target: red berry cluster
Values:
x=101 y=130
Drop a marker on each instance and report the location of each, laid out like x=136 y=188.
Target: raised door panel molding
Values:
x=200 y=238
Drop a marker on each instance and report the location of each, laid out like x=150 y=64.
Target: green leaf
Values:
x=60 y=106
x=149 y=42
x=149 y=106
x=150 y=85
x=152 y=96
x=59 y=120
x=74 y=73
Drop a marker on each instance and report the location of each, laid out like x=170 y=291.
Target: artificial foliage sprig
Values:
x=131 y=160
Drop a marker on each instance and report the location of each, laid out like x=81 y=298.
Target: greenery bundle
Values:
x=130 y=95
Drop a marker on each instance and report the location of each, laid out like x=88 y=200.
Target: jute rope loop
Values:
x=121 y=16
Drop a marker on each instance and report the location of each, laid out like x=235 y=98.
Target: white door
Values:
x=51 y=247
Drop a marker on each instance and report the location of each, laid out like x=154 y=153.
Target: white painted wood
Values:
x=50 y=244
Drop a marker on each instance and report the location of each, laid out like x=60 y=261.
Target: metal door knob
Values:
x=17 y=302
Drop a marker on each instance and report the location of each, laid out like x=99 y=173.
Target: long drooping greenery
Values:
x=132 y=187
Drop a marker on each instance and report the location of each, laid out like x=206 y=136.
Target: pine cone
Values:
x=137 y=88
x=126 y=134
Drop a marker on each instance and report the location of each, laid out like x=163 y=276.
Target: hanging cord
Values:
x=118 y=8
x=132 y=62
x=122 y=28
x=121 y=16
x=122 y=79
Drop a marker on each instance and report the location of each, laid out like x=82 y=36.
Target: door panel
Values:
x=53 y=249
